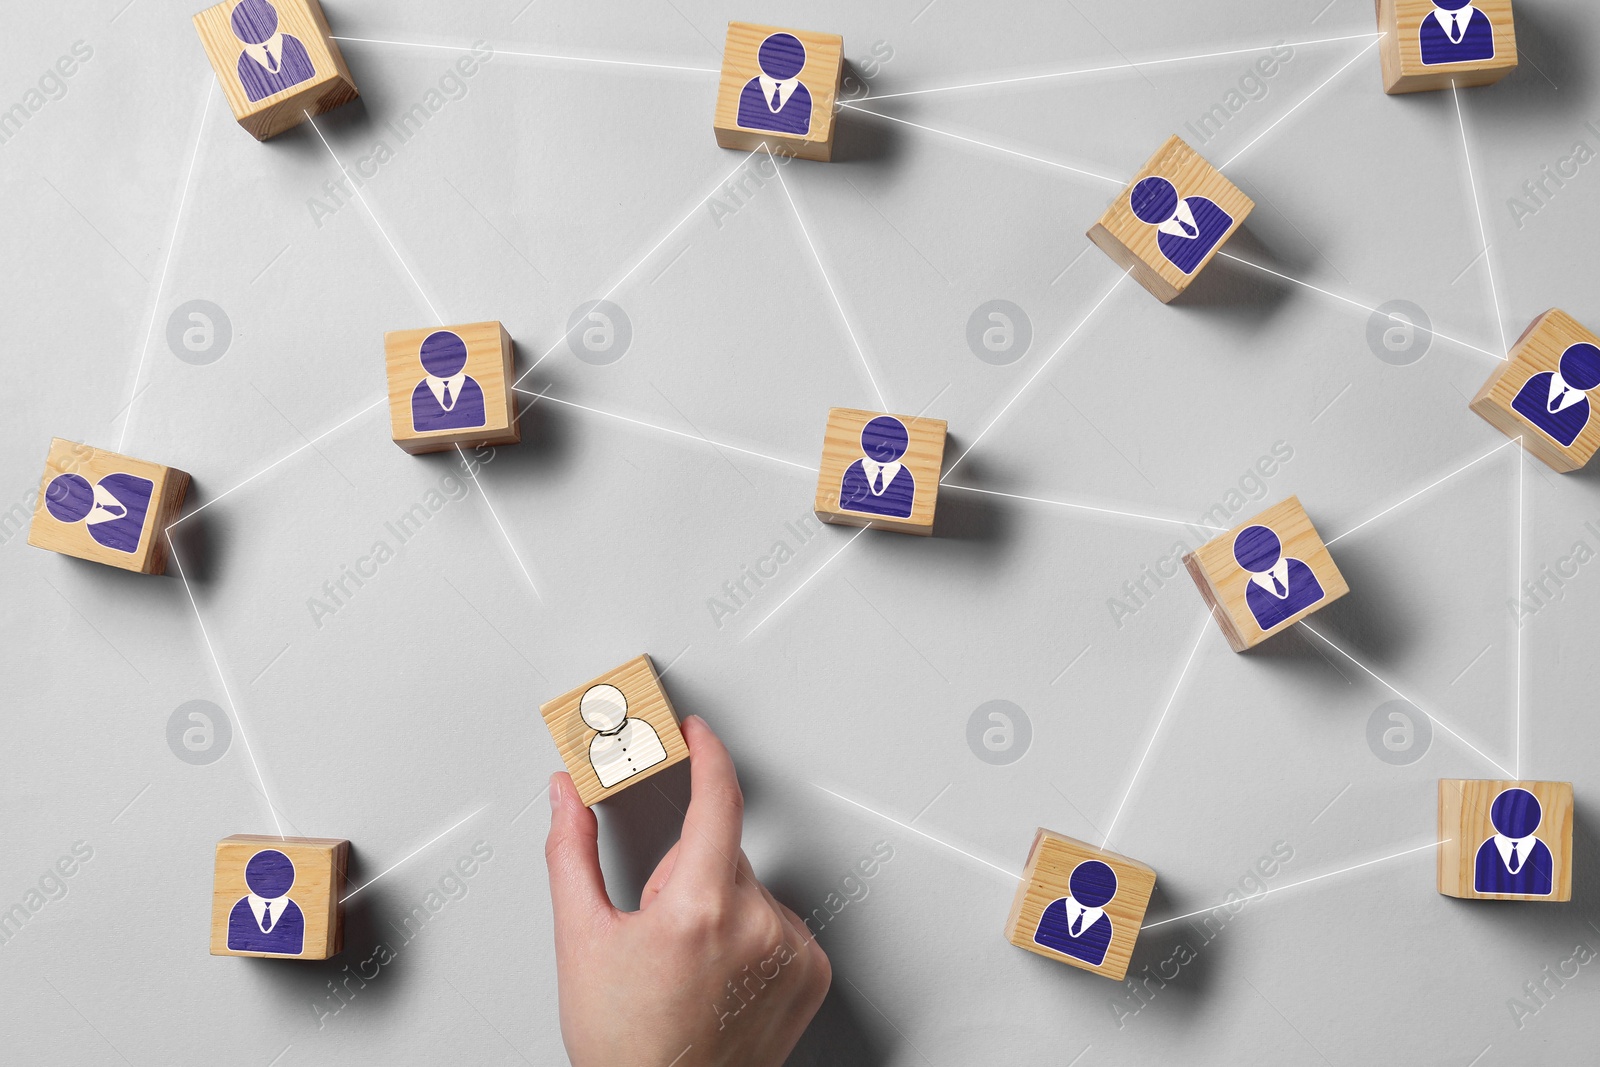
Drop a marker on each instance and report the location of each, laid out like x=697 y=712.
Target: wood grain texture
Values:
x=1401 y=49
x=821 y=75
x=1224 y=584
x=491 y=359
x=1537 y=351
x=647 y=700
x=319 y=872
x=1047 y=878
x=1133 y=244
x=1464 y=826
x=330 y=87
x=841 y=447
x=170 y=486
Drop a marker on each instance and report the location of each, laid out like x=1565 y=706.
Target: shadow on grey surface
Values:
x=861 y=139
x=836 y=1037
x=966 y=515
x=1239 y=294
x=1550 y=75
x=547 y=431
x=639 y=826
x=197 y=543
x=1367 y=622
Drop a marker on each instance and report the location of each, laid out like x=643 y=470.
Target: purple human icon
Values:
x=271 y=61
x=878 y=483
x=1188 y=228
x=1556 y=402
x=1279 y=588
x=448 y=398
x=1455 y=32
x=266 y=920
x=112 y=508
x=1077 y=925
x=1514 y=861
x=777 y=99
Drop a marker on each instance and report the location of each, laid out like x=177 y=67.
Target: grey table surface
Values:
x=404 y=717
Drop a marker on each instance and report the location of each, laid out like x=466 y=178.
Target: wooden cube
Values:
x=1171 y=220
x=278 y=896
x=276 y=60
x=1080 y=905
x=778 y=88
x=451 y=386
x=1545 y=393
x=615 y=731
x=880 y=471
x=111 y=509
x=1505 y=840
x=1265 y=575
x=1430 y=46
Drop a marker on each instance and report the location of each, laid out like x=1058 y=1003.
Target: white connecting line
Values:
x=913 y=830
x=535 y=55
x=1296 y=885
x=495 y=515
x=1304 y=101
x=1428 y=488
x=1354 y=303
x=1516 y=597
x=809 y=579
x=883 y=405
x=1080 y=507
x=1483 y=231
x=419 y=849
x=161 y=284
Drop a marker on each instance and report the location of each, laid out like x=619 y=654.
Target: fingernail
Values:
x=555 y=793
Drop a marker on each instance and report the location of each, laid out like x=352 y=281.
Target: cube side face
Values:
x=1209 y=594
x=1195 y=196
x=278 y=897
x=1428 y=49
x=804 y=77
x=1505 y=840
x=1100 y=940
x=1555 y=356
x=857 y=449
x=275 y=61
x=616 y=731
x=438 y=401
x=106 y=508
x=1297 y=576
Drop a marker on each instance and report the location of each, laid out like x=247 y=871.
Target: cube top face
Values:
x=880 y=471
x=1547 y=392
x=1080 y=905
x=105 y=507
x=278 y=896
x=1171 y=219
x=615 y=731
x=779 y=87
x=1266 y=575
x=1503 y=840
x=1434 y=45
x=275 y=60
x=451 y=385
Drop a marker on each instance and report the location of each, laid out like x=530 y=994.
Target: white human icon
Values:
x=107 y=508
x=622 y=747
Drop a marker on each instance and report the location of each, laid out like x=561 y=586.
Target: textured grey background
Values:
x=414 y=706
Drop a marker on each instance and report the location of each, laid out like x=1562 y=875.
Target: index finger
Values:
x=708 y=853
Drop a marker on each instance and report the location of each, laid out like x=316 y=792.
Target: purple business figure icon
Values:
x=1077 y=925
x=878 y=483
x=1514 y=861
x=448 y=398
x=113 y=508
x=1557 y=402
x=777 y=99
x=272 y=61
x=1279 y=587
x=1188 y=228
x=1455 y=32
x=266 y=920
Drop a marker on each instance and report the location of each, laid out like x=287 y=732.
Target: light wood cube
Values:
x=880 y=471
x=1505 y=840
x=1080 y=905
x=276 y=60
x=779 y=88
x=1545 y=393
x=615 y=731
x=451 y=386
x=1171 y=220
x=1265 y=575
x=1432 y=45
x=278 y=896
x=105 y=507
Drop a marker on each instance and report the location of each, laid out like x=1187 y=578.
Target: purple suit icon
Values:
x=447 y=399
x=1077 y=925
x=1279 y=588
x=778 y=100
x=114 y=507
x=1455 y=32
x=271 y=61
x=1556 y=402
x=880 y=484
x=267 y=920
x=1189 y=228
x=1513 y=860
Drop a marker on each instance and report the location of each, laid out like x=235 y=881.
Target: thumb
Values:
x=572 y=853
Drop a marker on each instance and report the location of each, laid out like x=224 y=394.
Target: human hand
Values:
x=711 y=971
